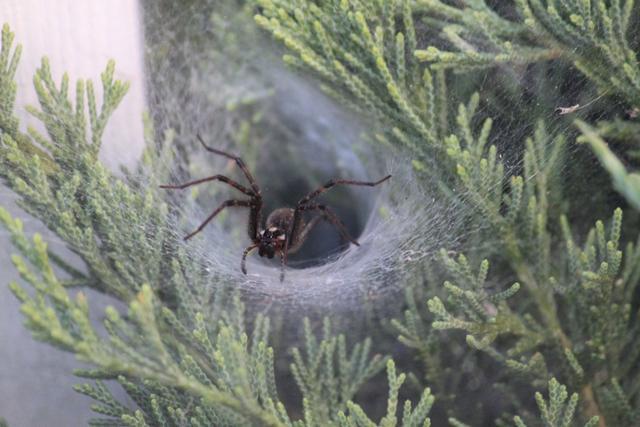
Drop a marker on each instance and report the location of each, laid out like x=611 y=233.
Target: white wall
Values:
x=78 y=36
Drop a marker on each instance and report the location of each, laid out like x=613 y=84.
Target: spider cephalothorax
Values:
x=271 y=240
x=285 y=230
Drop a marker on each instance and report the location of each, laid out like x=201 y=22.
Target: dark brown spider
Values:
x=285 y=230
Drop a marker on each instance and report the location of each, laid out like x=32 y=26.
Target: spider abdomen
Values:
x=280 y=218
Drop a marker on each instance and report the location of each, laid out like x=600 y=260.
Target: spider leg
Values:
x=221 y=178
x=283 y=263
x=255 y=216
x=335 y=182
x=302 y=205
x=330 y=216
x=327 y=214
x=243 y=263
x=239 y=162
x=299 y=239
x=290 y=232
x=227 y=203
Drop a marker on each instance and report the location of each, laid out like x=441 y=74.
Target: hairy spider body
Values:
x=285 y=230
x=276 y=225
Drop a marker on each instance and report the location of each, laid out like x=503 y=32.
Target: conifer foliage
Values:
x=543 y=319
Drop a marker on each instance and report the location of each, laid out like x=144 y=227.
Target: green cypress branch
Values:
x=570 y=314
x=592 y=35
x=359 y=49
x=627 y=183
x=410 y=418
x=557 y=411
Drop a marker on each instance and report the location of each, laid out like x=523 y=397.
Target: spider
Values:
x=286 y=229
